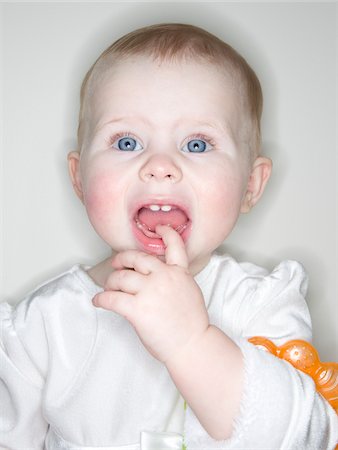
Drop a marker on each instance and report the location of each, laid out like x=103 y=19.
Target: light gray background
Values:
x=46 y=50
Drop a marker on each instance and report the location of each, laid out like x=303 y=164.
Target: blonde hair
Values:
x=174 y=41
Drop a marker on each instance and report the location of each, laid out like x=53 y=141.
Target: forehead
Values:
x=160 y=91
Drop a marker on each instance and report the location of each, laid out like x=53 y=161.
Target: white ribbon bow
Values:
x=161 y=441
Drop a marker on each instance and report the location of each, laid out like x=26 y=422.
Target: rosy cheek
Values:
x=100 y=195
x=223 y=200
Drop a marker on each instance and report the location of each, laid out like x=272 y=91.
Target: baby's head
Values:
x=169 y=133
x=181 y=43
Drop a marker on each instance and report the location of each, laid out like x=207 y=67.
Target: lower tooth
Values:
x=181 y=228
x=143 y=226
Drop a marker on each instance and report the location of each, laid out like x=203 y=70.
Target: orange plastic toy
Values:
x=303 y=356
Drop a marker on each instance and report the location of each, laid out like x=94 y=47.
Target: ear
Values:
x=74 y=172
x=260 y=174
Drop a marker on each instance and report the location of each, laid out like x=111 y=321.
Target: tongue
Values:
x=175 y=218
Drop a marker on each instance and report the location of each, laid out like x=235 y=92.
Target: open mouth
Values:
x=149 y=216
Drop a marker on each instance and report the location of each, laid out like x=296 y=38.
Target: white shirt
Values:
x=76 y=377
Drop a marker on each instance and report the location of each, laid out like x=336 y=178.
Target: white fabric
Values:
x=81 y=375
x=148 y=441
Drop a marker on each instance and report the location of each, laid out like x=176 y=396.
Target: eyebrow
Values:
x=121 y=119
x=224 y=127
x=196 y=122
x=213 y=125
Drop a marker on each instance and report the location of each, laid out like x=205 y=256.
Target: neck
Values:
x=101 y=271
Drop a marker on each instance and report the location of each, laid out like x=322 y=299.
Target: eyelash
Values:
x=117 y=136
x=202 y=137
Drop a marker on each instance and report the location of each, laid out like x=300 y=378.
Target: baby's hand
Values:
x=160 y=299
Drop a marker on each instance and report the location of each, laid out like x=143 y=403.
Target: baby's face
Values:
x=162 y=146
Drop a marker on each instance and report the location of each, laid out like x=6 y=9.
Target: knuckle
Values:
x=123 y=275
x=109 y=283
x=142 y=258
x=109 y=299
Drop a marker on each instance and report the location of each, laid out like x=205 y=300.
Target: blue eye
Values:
x=195 y=146
x=127 y=144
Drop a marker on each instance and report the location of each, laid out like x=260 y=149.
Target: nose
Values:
x=160 y=167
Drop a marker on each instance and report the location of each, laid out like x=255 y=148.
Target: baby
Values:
x=149 y=349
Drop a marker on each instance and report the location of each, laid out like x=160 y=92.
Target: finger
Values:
x=125 y=280
x=139 y=261
x=175 y=252
x=115 y=301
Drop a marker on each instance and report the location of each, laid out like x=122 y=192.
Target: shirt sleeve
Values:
x=21 y=384
x=280 y=407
